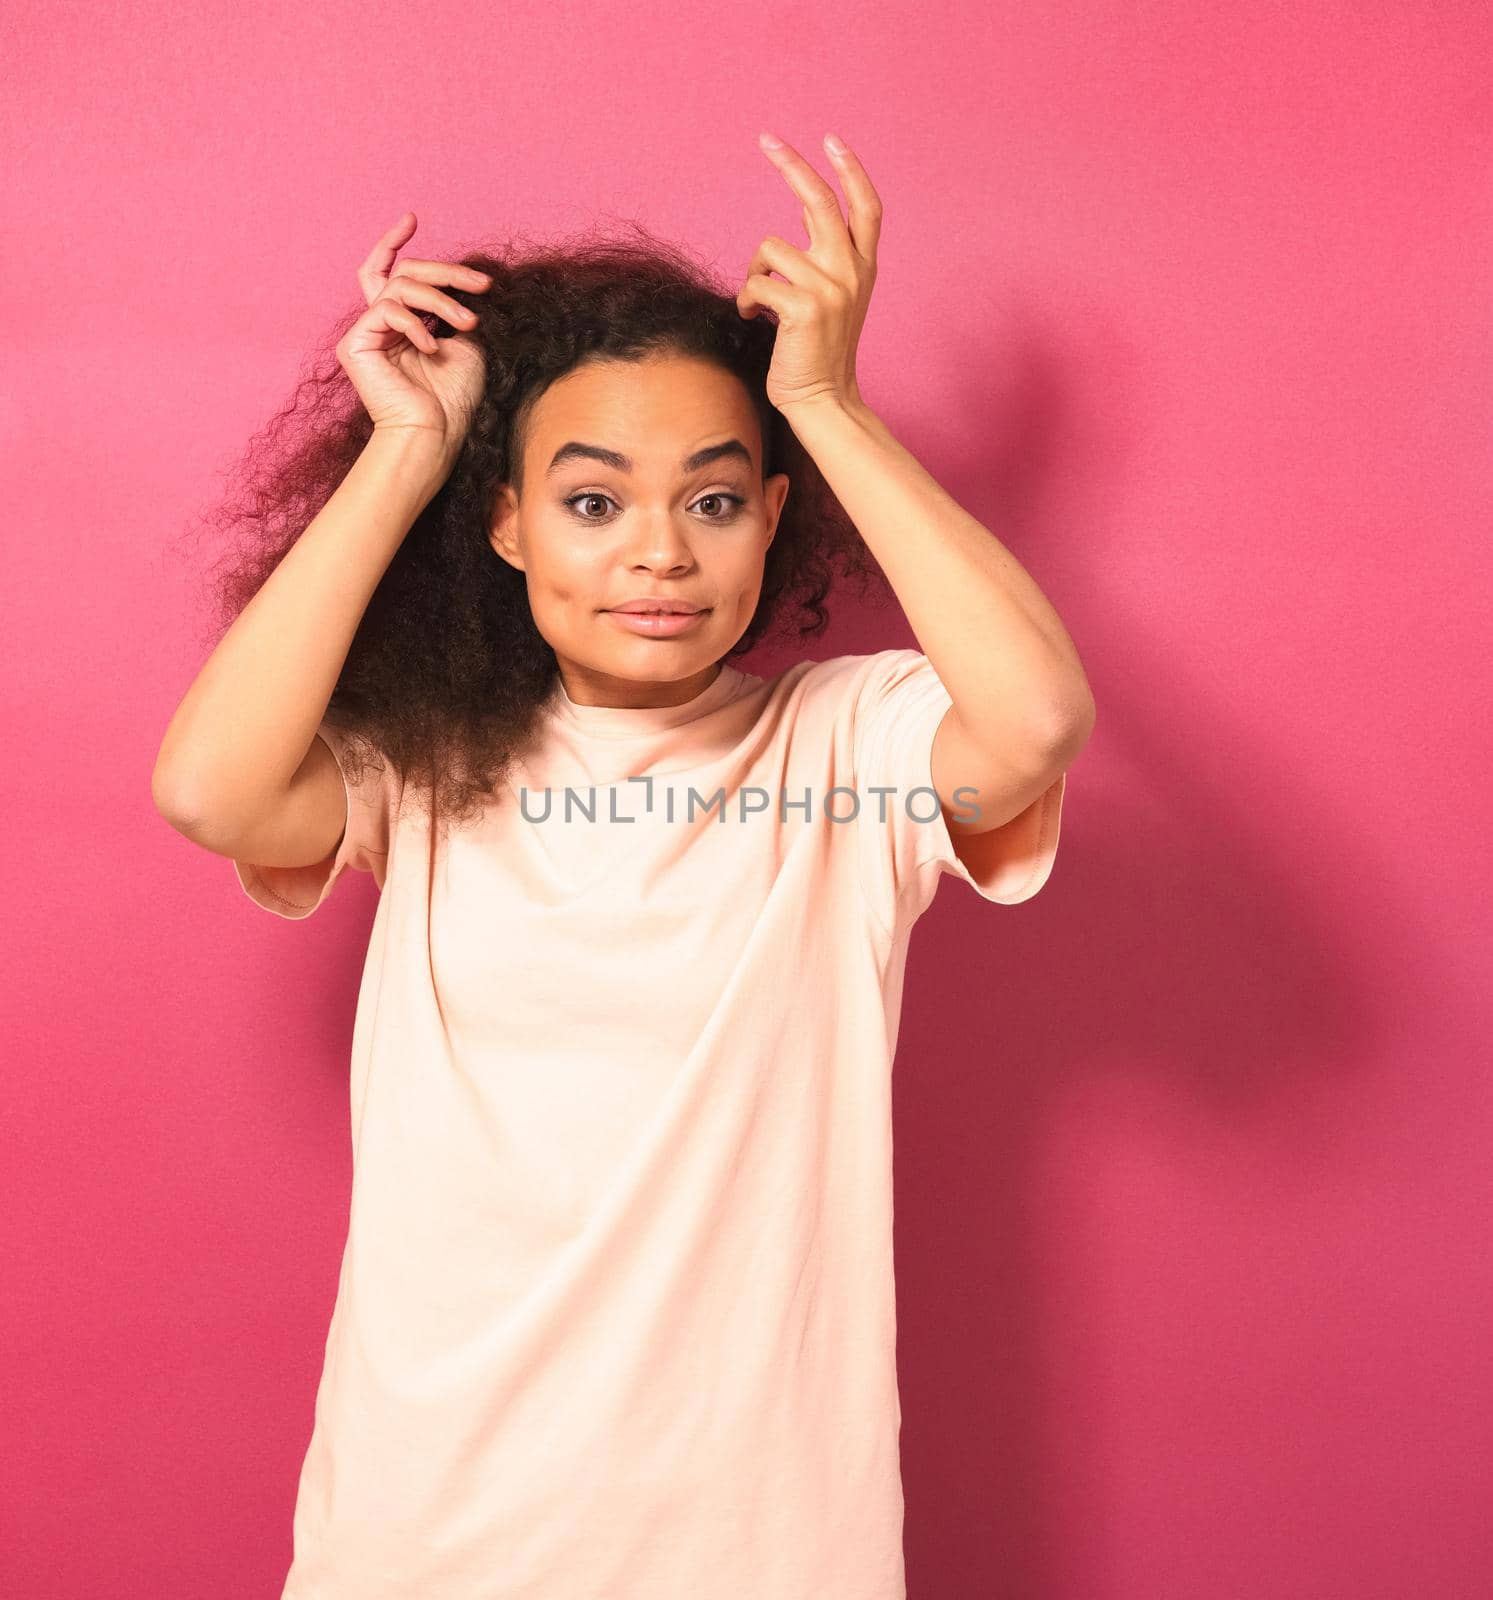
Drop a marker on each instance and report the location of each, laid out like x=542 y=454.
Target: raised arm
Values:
x=240 y=769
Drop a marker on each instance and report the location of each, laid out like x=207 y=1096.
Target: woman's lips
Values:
x=658 y=624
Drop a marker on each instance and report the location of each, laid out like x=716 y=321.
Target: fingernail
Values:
x=771 y=141
x=833 y=145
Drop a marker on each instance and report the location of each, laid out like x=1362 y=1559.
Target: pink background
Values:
x=1191 y=306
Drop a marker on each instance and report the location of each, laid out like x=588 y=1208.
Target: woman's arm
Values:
x=1022 y=707
x=994 y=639
x=243 y=729
x=1021 y=703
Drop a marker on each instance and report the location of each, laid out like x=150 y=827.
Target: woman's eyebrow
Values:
x=612 y=458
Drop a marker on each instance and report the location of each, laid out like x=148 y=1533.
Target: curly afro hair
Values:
x=447 y=669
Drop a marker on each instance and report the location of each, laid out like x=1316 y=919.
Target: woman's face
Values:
x=591 y=535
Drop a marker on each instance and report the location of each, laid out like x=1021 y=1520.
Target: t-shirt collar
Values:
x=627 y=722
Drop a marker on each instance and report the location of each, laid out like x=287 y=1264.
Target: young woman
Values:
x=616 y=1314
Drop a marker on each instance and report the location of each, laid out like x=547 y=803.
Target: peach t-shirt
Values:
x=615 y=1318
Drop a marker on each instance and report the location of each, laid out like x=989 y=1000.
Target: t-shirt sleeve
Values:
x=905 y=843
x=371 y=800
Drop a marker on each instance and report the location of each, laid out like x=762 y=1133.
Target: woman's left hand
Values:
x=822 y=306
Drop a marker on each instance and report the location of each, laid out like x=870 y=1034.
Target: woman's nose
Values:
x=659 y=542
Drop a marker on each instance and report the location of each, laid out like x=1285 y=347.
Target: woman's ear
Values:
x=502 y=533
x=775 y=492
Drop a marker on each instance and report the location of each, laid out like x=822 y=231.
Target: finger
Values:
x=401 y=317
x=823 y=219
x=865 y=203
x=415 y=293
x=442 y=272
x=378 y=261
x=797 y=266
x=759 y=290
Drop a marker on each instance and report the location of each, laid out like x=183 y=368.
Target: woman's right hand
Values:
x=405 y=376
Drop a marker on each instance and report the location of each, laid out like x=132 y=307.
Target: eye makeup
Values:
x=735 y=501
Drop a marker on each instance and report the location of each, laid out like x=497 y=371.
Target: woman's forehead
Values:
x=646 y=422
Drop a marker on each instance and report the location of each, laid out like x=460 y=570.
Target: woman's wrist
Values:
x=418 y=455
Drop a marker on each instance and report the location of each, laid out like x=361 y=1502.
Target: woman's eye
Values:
x=589 y=494
x=734 y=500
